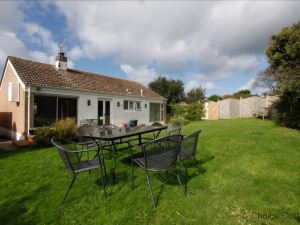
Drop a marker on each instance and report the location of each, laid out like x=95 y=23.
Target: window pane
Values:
x=138 y=106
x=125 y=105
x=44 y=110
x=67 y=107
x=155 y=112
x=130 y=105
x=161 y=112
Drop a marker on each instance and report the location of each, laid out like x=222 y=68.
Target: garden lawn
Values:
x=248 y=173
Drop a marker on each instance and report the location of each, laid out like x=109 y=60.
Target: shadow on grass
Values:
x=121 y=181
x=206 y=158
x=5 y=154
x=17 y=211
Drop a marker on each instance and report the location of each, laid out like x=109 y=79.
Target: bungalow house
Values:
x=34 y=94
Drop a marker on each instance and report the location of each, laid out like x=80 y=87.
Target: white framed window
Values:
x=132 y=105
x=125 y=105
x=156 y=112
x=138 y=106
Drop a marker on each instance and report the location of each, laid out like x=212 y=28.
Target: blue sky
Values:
x=218 y=44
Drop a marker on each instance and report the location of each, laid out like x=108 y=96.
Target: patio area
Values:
x=247 y=169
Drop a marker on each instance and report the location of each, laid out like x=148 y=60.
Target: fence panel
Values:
x=213 y=111
x=237 y=108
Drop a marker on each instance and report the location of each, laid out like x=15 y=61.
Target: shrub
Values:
x=65 y=128
x=178 y=113
x=42 y=136
x=195 y=111
x=288 y=109
x=186 y=113
x=179 y=118
x=177 y=110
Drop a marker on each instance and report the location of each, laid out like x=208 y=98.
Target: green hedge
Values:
x=186 y=113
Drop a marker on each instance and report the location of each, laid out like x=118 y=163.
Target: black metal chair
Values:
x=96 y=122
x=189 y=146
x=159 y=155
x=85 y=122
x=108 y=126
x=174 y=128
x=83 y=132
x=84 y=141
x=73 y=162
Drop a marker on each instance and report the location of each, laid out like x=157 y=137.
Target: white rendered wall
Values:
x=123 y=116
x=118 y=114
x=86 y=111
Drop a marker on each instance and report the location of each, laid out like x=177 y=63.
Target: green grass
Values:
x=245 y=166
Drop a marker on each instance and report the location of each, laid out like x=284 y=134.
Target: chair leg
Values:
x=103 y=163
x=132 y=168
x=150 y=189
x=185 y=170
x=70 y=186
x=179 y=181
x=103 y=180
x=132 y=176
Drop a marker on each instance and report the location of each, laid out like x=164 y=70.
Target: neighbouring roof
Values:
x=46 y=75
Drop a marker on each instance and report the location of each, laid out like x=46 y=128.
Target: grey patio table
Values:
x=116 y=135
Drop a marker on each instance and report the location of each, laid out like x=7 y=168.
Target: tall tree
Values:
x=284 y=50
x=267 y=78
x=195 y=95
x=284 y=71
x=284 y=58
x=172 y=90
x=214 y=98
x=242 y=94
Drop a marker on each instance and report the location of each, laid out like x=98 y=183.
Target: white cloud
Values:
x=249 y=85
x=40 y=37
x=10 y=44
x=141 y=74
x=218 y=38
x=196 y=80
x=146 y=38
x=12 y=23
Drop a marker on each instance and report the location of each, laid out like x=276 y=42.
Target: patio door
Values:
x=104 y=112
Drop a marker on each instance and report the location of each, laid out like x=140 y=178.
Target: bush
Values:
x=65 y=128
x=177 y=109
x=42 y=136
x=178 y=113
x=288 y=109
x=186 y=113
x=195 y=111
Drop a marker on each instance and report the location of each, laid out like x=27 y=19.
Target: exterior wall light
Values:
x=89 y=102
x=118 y=104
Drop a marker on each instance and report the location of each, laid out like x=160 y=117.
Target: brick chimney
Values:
x=61 y=61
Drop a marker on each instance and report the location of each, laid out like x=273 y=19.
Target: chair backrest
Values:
x=174 y=128
x=95 y=122
x=64 y=147
x=162 y=153
x=85 y=130
x=109 y=126
x=85 y=122
x=189 y=145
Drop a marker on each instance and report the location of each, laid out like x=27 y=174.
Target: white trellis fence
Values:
x=238 y=108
